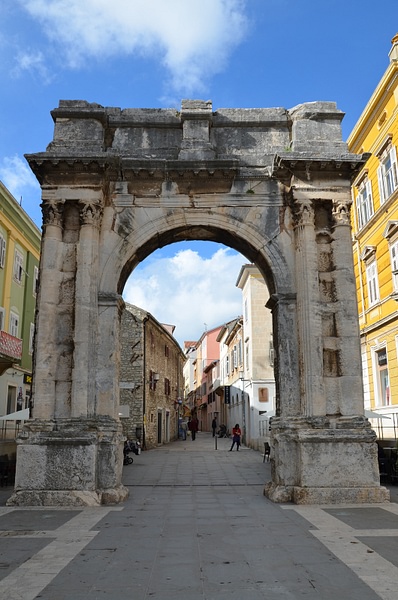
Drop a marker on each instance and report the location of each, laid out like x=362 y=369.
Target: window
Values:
x=394 y=264
x=387 y=174
x=364 y=203
x=2 y=251
x=2 y=318
x=263 y=395
x=167 y=386
x=31 y=337
x=227 y=365
x=14 y=323
x=235 y=355
x=373 y=284
x=153 y=379
x=18 y=266
x=240 y=352
x=166 y=351
x=382 y=378
x=35 y=281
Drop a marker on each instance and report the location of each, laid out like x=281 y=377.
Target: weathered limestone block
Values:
x=76 y=463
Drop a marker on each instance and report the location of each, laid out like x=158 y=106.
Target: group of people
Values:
x=193 y=426
x=236 y=433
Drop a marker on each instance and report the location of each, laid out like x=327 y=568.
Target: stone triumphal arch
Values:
x=272 y=183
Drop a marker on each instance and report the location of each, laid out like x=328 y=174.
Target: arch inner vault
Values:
x=273 y=184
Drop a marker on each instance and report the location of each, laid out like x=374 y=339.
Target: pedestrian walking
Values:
x=214 y=426
x=184 y=430
x=236 y=435
x=193 y=426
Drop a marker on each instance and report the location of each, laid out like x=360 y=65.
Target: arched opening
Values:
x=200 y=290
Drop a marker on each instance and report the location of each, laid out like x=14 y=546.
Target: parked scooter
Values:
x=130 y=446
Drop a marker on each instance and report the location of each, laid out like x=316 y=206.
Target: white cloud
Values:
x=33 y=63
x=17 y=176
x=188 y=291
x=193 y=38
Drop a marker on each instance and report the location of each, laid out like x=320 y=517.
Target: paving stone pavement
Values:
x=197 y=526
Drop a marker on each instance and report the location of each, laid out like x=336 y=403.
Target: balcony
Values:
x=10 y=350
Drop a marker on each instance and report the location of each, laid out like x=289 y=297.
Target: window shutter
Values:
x=2 y=251
x=380 y=177
x=393 y=156
x=358 y=202
x=369 y=197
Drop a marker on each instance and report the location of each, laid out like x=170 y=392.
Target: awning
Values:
x=20 y=415
x=370 y=414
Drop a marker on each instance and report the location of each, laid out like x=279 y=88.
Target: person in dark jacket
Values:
x=193 y=426
x=214 y=426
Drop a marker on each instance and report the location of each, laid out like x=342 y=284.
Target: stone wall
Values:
x=151 y=379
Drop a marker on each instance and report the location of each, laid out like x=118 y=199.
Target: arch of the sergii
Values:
x=273 y=184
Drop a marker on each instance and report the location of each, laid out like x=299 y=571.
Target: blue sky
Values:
x=153 y=53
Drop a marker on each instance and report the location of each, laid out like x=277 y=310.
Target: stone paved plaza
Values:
x=196 y=525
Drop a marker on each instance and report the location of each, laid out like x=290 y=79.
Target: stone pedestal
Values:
x=325 y=461
x=69 y=462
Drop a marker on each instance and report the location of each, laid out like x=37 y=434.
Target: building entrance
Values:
x=273 y=184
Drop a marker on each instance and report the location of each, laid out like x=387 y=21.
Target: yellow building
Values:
x=375 y=246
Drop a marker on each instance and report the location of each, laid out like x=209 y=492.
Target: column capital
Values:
x=303 y=212
x=341 y=212
x=52 y=211
x=90 y=212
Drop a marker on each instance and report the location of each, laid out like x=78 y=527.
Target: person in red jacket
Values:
x=236 y=435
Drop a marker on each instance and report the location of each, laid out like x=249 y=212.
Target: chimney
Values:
x=393 y=54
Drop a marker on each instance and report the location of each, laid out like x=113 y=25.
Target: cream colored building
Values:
x=258 y=355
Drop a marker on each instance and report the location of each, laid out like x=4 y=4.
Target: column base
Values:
x=69 y=462
x=320 y=495
x=325 y=460
x=72 y=498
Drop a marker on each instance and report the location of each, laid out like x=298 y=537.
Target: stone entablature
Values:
x=273 y=184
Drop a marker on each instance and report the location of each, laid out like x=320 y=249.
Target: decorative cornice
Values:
x=287 y=164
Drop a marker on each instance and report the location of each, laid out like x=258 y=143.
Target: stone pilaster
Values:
x=86 y=311
x=284 y=312
x=347 y=322
x=110 y=308
x=46 y=342
x=308 y=317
